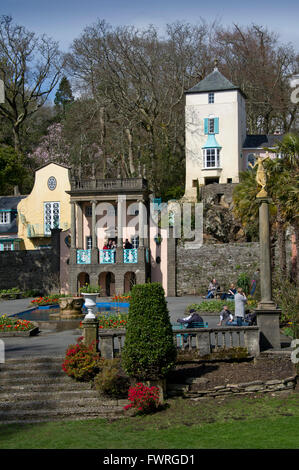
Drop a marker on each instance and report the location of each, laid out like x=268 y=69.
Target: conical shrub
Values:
x=149 y=351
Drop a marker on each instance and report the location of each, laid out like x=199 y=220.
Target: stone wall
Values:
x=245 y=388
x=223 y=261
x=32 y=269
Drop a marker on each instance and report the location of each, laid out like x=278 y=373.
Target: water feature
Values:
x=50 y=319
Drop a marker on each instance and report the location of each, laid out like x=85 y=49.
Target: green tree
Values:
x=11 y=170
x=64 y=96
x=149 y=351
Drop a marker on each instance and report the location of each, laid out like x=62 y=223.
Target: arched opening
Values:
x=82 y=279
x=107 y=283
x=129 y=281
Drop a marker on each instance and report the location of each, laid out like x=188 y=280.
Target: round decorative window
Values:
x=52 y=183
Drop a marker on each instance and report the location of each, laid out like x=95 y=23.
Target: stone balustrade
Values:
x=205 y=340
x=109 y=184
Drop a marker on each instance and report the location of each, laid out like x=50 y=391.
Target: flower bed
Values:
x=215 y=306
x=10 y=326
x=48 y=300
x=113 y=321
x=121 y=298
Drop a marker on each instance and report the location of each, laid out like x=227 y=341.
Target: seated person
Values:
x=213 y=287
x=230 y=294
x=191 y=318
x=226 y=316
x=250 y=318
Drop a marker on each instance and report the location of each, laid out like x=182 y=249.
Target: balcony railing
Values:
x=83 y=256
x=131 y=256
x=107 y=256
x=111 y=184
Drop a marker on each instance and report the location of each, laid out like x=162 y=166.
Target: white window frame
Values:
x=208 y=155
x=211 y=126
x=53 y=224
x=211 y=98
x=5 y=217
x=89 y=242
x=135 y=241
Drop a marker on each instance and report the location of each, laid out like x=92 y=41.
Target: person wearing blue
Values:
x=230 y=294
x=240 y=301
x=212 y=289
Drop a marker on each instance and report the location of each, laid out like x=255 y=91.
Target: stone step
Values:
x=22 y=416
x=35 y=379
x=19 y=374
x=47 y=395
x=33 y=360
x=49 y=404
x=35 y=366
x=43 y=387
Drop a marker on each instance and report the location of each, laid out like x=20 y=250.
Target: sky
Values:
x=64 y=20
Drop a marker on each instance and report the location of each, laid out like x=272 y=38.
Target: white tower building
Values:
x=215 y=123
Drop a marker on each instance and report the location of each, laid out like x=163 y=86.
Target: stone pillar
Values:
x=251 y=340
x=91 y=333
x=142 y=223
x=94 y=237
x=121 y=219
x=267 y=312
x=73 y=249
x=80 y=226
x=107 y=344
x=203 y=342
x=171 y=264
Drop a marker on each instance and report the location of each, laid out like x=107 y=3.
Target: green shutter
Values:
x=206 y=125
x=216 y=125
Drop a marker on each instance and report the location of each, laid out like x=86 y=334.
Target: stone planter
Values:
x=90 y=300
x=6 y=334
x=70 y=307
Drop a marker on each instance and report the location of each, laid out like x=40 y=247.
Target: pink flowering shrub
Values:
x=144 y=399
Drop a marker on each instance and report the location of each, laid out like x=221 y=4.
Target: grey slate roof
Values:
x=10 y=203
x=255 y=141
x=215 y=81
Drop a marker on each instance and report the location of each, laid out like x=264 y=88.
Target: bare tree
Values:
x=30 y=68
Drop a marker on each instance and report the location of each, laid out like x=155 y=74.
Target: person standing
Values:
x=240 y=301
x=254 y=281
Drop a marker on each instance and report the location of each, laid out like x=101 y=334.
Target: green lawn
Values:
x=247 y=423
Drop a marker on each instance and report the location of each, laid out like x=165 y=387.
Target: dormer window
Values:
x=211 y=98
x=5 y=217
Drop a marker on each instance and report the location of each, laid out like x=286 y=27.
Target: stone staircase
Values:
x=37 y=390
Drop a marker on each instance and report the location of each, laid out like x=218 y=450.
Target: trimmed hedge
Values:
x=149 y=351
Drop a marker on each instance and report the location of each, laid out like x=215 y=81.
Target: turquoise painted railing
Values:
x=83 y=256
x=107 y=256
x=131 y=256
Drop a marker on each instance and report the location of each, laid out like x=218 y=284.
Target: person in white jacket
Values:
x=240 y=301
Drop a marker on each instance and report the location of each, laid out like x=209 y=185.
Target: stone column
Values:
x=91 y=333
x=121 y=215
x=73 y=249
x=142 y=222
x=267 y=312
x=80 y=226
x=94 y=238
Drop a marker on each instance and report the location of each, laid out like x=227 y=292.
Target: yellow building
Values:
x=46 y=207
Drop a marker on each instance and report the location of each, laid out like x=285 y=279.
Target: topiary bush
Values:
x=149 y=351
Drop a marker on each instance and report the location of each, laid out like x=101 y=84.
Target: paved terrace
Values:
x=53 y=343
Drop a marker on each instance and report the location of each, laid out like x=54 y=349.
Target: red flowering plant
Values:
x=81 y=362
x=144 y=399
x=113 y=321
x=48 y=300
x=14 y=324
